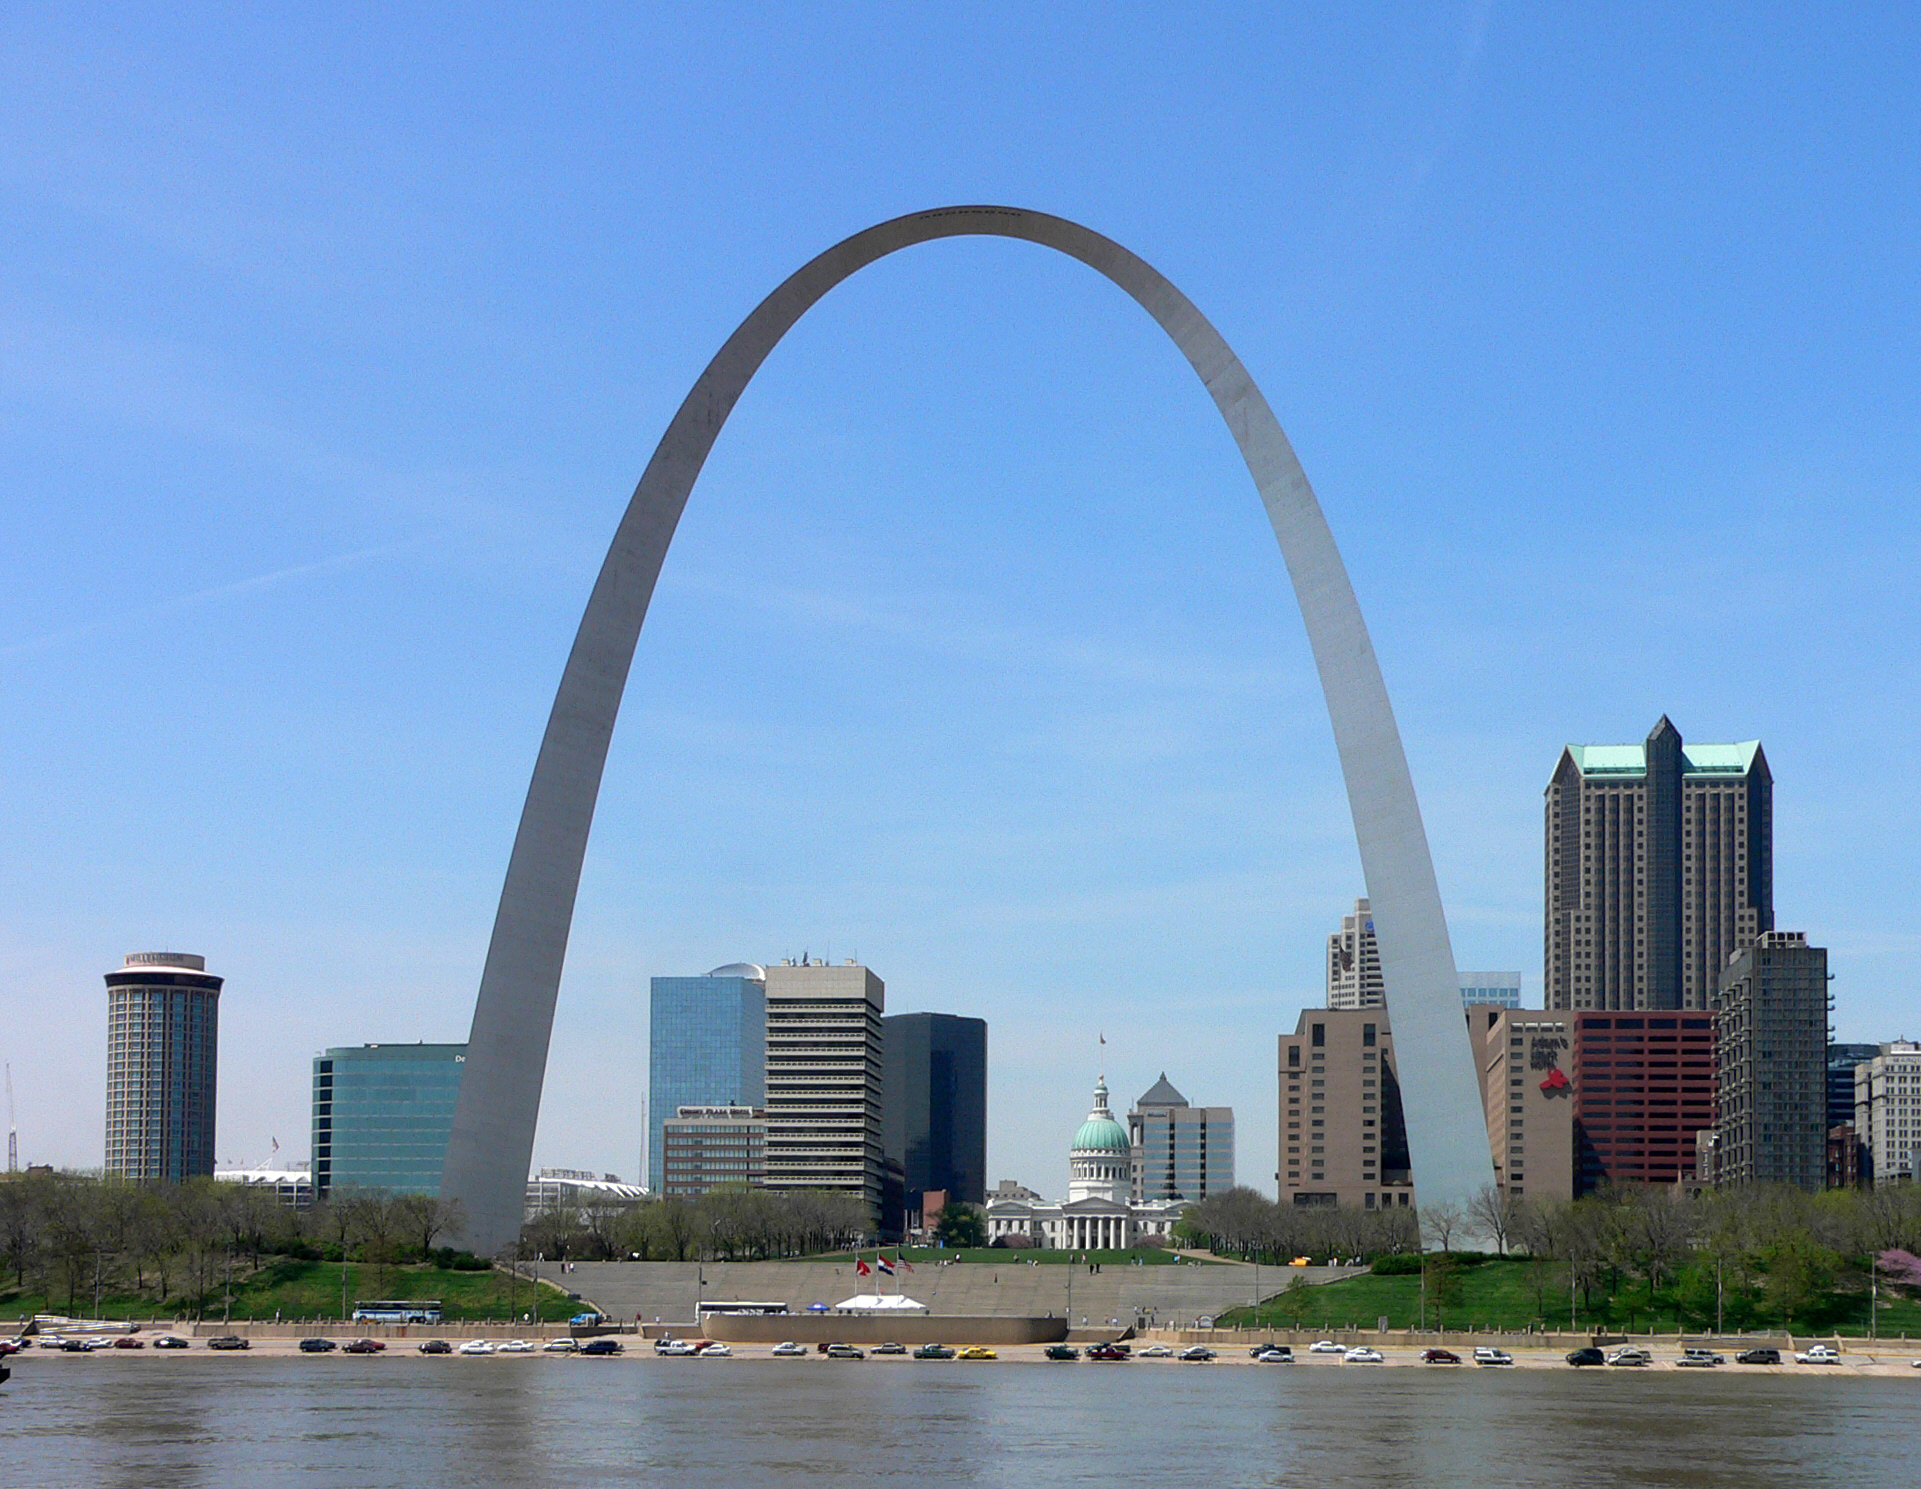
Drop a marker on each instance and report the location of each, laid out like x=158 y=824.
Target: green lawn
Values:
x=1501 y=1294
x=308 y=1289
x=1002 y=1256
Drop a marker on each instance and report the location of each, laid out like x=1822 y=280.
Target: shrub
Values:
x=1016 y=1241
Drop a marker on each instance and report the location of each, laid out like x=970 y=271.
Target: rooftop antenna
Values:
x=13 y=1137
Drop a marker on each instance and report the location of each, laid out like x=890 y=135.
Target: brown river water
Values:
x=206 y=1420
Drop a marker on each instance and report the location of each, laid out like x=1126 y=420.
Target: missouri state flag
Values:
x=884 y=1264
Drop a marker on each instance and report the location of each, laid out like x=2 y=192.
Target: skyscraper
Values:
x=1643 y=1090
x=1887 y=1110
x=707 y=1046
x=1530 y=1100
x=1770 y=1033
x=935 y=1105
x=1354 y=962
x=163 y=1044
x=382 y=1114
x=1659 y=868
x=825 y=1069
x=1180 y=1152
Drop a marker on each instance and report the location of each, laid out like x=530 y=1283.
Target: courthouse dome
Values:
x=1100 y=1133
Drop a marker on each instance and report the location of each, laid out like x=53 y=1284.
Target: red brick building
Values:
x=1644 y=1085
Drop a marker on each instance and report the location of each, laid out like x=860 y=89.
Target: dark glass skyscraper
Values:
x=381 y=1116
x=707 y=1046
x=934 y=1112
x=163 y=1045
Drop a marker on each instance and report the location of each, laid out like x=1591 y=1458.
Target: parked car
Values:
x=1362 y=1355
x=890 y=1349
x=228 y=1341
x=478 y=1347
x=666 y=1341
x=561 y=1346
x=1198 y=1354
x=1763 y=1355
x=11 y=1346
x=171 y=1341
x=1106 y=1352
x=715 y=1350
x=601 y=1346
x=71 y=1344
x=1276 y=1354
x=1439 y=1357
x=927 y=1352
x=1630 y=1354
x=1326 y=1347
x=1260 y=1349
x=317 y=1346
x=1698 y=1358
x=788 y=1350
x=516 y=1347
x=363 y=1347
x=978 y=1352
x=1061 y=1352
x=1157 y=1352
x=1586 y=1355
x=129 y=1341
x=849 y=1352
x=1818 y=1354
x=1487 y=1356
x=436 y=1347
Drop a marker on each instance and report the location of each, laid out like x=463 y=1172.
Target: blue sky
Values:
x=331 y=346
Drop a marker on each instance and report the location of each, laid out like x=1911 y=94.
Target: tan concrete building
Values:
x=1343 y=1138
x=1659 y=866
x=825 y=1075
x=1525 y=1059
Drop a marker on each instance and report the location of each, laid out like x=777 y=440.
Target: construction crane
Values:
x=13 y=1137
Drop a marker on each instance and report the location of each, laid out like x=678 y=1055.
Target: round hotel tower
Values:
x=163 y=1027
x=1101 y=1163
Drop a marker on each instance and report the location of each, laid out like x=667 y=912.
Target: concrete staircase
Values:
x=1167 y=1296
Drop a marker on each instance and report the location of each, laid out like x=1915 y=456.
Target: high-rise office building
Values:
x=712 y=1147
x=1491 y=989
x=707 y=1046
x=1524 y=1056
x=1180 y=1152
x=382 y=1114
x=1643 y=1092
x=1770 y=1036
x=1842 y=1058
x=1887 y=1110
x=1343 y=1135
x=935 y=1106
x=163 y=1047
x=1354 y=962
x=1659 y=868
x=825 y=1069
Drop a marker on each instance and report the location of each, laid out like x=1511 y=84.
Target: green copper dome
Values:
x=1100 y=1133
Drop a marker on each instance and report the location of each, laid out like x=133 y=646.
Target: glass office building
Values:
x=1501 y=989
x=1179 y=1151
x=707 y=1046
x=934 y=1105
x=382 y=1114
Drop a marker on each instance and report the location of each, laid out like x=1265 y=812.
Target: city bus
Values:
x=417 y=1311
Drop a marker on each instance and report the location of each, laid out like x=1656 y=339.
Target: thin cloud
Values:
x=122 y=619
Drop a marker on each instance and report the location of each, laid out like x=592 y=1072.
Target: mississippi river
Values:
x=240 y=1422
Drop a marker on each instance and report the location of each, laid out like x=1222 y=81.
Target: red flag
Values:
x=861 y=1269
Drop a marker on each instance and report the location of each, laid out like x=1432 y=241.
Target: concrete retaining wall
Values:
x=814 y=1328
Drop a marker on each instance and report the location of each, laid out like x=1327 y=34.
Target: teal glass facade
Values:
x=707 y=1046
x=382 y=1114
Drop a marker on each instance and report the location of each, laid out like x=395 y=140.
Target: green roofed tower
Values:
x=1659 y=867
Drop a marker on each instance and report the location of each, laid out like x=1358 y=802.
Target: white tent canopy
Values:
x=877 y=1303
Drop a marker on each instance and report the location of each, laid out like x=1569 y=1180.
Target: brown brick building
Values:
x=1643 y=1087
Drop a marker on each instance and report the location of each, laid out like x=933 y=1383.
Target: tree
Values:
x=1441 y=1222
x=960 y=1225
x=1492 y=1211
x=428 y=1217
x=1297 y=1300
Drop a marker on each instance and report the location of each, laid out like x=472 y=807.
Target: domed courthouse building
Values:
x=1100 y=1212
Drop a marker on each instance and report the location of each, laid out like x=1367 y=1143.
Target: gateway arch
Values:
x=493 y=1131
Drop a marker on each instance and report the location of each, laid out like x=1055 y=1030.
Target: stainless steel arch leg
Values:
x=493 y=1132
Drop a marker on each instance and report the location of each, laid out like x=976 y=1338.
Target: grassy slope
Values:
x=1499 y=1295
x=302 y=1289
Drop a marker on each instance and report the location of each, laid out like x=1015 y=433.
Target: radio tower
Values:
x=13 y=1137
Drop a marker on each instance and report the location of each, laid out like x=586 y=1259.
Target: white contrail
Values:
x=199 y=596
